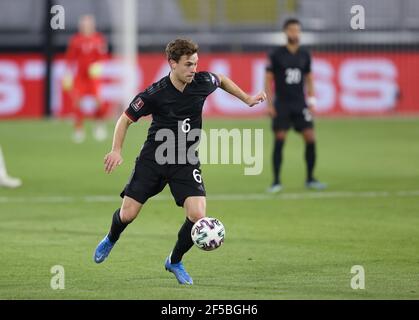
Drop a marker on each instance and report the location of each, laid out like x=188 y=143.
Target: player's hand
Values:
x=312 y=110
x=311 y=104
x=272 y=111
x=112 y=160
x=67 y=82
x=254 y=100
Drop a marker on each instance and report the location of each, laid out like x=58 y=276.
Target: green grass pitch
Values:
x=296 y=245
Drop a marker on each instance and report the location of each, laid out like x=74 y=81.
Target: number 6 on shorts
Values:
x=197 y=176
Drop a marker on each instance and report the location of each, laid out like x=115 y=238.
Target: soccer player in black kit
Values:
x=288 y=68
x=175 y=103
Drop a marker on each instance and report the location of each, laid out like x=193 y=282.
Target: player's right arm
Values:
x=269 y=78
x=229 y=86
x=114 y=158
x=139 y=107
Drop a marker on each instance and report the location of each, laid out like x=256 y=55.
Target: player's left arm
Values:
x=229 y=86
x=309 y=84
x=311 y=97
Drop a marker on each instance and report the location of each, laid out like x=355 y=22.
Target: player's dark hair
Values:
x=289 y=22
x=179 y=47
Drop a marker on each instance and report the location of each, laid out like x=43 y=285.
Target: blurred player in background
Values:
x=6 y=180
x=85 y=50
x=289 y=67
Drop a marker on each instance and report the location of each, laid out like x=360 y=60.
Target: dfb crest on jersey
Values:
x=137 y=104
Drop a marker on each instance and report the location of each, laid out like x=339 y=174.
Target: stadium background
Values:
x=298 y=244
x=360 y=72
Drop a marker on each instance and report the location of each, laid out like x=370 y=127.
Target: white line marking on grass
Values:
x=221 y=197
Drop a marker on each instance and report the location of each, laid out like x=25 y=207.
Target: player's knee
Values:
x=310 y=139
x=280 y=135
x=309 y=136
x=128 y=215
x=129 y=211
x=195 y=209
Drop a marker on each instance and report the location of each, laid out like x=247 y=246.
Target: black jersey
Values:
x=173 y=110
x=289 y=70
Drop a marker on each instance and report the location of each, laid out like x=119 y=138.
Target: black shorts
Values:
x=149 y=178
x=299 y=118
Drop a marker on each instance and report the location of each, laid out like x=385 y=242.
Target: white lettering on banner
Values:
x=162 y=72
x=368 y=85
x=58 y=70
x=11 y=92
x=221 y=100
x=109 y=91
x=324 y=85
x=351 y=84
x=112 y=91
x=33 y=70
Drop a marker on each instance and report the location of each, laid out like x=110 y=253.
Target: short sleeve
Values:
x=214 y=82
x=307 y=68
x=139 y=107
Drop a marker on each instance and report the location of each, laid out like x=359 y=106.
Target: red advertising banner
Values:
x=345 y=83
x=21 y=86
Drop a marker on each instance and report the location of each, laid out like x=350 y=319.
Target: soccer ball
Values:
x=208 y=233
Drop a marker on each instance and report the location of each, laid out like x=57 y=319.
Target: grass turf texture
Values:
x=276 y=247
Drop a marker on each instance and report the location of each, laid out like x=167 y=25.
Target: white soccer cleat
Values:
x=79 y=136
x=315 y=185
x=100 y=133
x=10 y=182
x=275 y=188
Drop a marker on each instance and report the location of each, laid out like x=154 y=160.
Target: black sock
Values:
x=310 y=156
x=184 y=242
x=117 y=227
x=277 y=159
